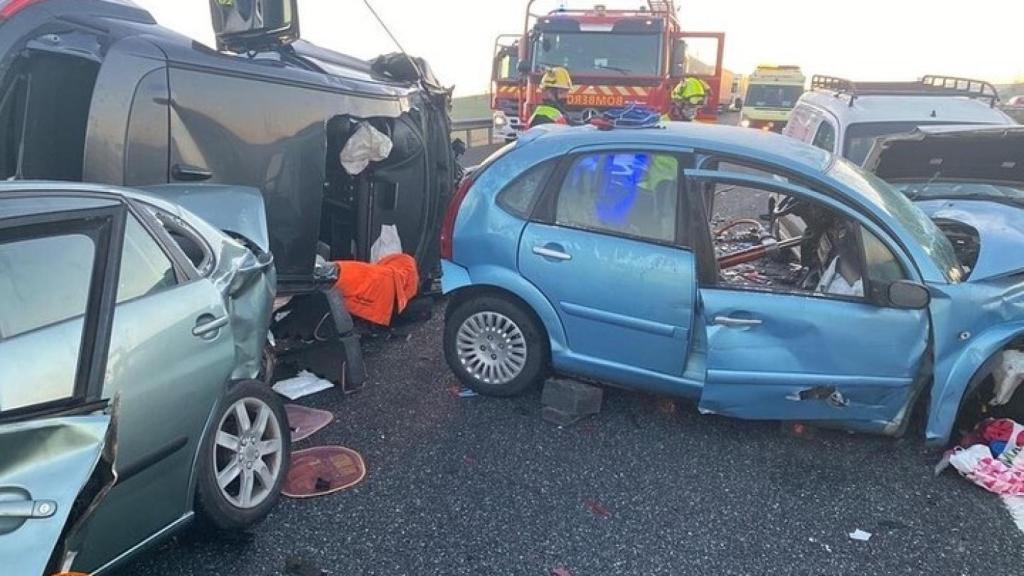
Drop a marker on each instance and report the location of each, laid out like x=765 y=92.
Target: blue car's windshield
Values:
x=925 y=232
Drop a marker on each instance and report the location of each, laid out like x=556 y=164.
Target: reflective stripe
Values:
x=550 y=112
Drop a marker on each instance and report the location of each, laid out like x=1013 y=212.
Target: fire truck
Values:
x=616 y=57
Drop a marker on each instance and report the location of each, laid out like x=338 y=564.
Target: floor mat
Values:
x=305 y=422
x=323 y=470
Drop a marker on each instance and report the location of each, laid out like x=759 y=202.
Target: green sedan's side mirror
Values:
x=909 y=295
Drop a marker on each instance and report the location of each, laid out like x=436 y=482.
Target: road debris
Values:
x=302 y=385
x=860 y=535
x=323 y=470
x=597 y=508
x=989 y=456
x=304 y=422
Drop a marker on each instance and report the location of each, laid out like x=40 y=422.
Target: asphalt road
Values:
x=484 y=486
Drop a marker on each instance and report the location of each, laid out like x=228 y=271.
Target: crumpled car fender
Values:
x=956 y=374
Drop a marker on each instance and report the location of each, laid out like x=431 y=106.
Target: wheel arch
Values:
x=958 y=376
x=535 y=305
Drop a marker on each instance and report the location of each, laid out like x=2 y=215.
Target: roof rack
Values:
x=930 y=85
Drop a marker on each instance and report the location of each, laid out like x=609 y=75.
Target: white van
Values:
x=845 y=117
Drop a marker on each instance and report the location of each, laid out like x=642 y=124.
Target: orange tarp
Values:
x=376 y=292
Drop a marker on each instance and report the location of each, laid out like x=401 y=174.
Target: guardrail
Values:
x=474 y=132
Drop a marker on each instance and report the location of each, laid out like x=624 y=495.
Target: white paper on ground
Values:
x=304 y=384
x=860 y=535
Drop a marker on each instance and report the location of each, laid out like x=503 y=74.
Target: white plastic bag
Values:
x=367 y=145
x=389 y=243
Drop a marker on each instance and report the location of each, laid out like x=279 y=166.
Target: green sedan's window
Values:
x=44 y=293
x=145 y=268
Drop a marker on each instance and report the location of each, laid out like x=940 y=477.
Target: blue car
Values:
x=655 y=259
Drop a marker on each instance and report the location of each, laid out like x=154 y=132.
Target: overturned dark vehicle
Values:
x=97 y=91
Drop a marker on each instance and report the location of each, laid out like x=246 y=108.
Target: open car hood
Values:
x=1000 y=230
x=991 y=154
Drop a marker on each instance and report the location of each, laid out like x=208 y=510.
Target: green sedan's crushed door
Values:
x=46 y=466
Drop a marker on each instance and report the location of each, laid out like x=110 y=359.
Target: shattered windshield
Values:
x=599 y=53
x=897 y=205
x=773 y=96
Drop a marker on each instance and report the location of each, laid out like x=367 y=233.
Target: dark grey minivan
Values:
x=97 y=91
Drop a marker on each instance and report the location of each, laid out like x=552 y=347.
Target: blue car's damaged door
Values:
x=778 y=353
x=608 y=253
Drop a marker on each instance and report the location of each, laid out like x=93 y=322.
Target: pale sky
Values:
x=857 y=39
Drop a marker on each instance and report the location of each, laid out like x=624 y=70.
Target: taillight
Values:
x=448 y=227
x=12 y=7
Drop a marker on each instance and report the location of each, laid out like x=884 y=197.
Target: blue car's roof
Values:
x=756 y=144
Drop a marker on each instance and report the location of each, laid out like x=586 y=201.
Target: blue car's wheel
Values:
x=494 y=346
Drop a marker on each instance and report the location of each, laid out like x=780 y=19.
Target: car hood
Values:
x=991 y=154
x=1000 y=229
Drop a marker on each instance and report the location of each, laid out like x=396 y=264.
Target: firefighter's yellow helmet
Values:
x=557 y=78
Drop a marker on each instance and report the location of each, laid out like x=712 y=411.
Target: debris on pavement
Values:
x=567 y=401
x=989 y=456
x=814 y=540
x=560 y=571
x=860 y=535
x=303 y=384
x=597 y=508
x=304 y=422
x=323 y=470
x=467 y=393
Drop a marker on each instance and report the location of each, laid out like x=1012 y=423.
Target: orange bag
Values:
x=376 y=292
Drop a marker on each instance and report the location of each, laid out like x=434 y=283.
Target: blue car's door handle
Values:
x=552 y=251
x=737 y=322
x=24 y=509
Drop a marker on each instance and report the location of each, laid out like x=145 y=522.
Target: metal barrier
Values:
x=474 y=132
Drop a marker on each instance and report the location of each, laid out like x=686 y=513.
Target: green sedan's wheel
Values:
x=245 y=458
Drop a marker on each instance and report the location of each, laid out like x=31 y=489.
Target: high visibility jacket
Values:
x=547 y=114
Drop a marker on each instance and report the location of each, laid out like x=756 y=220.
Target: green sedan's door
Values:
x=56 y=285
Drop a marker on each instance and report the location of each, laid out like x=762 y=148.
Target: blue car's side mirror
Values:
x=909 y=295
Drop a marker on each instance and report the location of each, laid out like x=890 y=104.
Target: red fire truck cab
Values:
x=615 y=57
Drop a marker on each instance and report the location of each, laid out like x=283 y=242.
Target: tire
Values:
x=228 y=509
x=495 y=346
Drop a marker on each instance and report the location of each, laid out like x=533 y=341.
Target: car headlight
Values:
x=745 y=123
x=500 y=121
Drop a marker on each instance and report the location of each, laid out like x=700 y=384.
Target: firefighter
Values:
x=688 y=97
x=555 y=86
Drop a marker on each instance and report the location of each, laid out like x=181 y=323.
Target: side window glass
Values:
x=881 y=263
x=188 y=240
x=518 y=197
x=145 y=269
x=633 y=194
x=825 y=137
x=44 y=293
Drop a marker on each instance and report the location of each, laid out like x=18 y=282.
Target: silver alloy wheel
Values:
x=491 y=347
x=247 y=453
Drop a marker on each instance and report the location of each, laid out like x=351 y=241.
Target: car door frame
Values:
x=85 y=409
x=543 y=212
x=814 y=191
x=99 y=316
